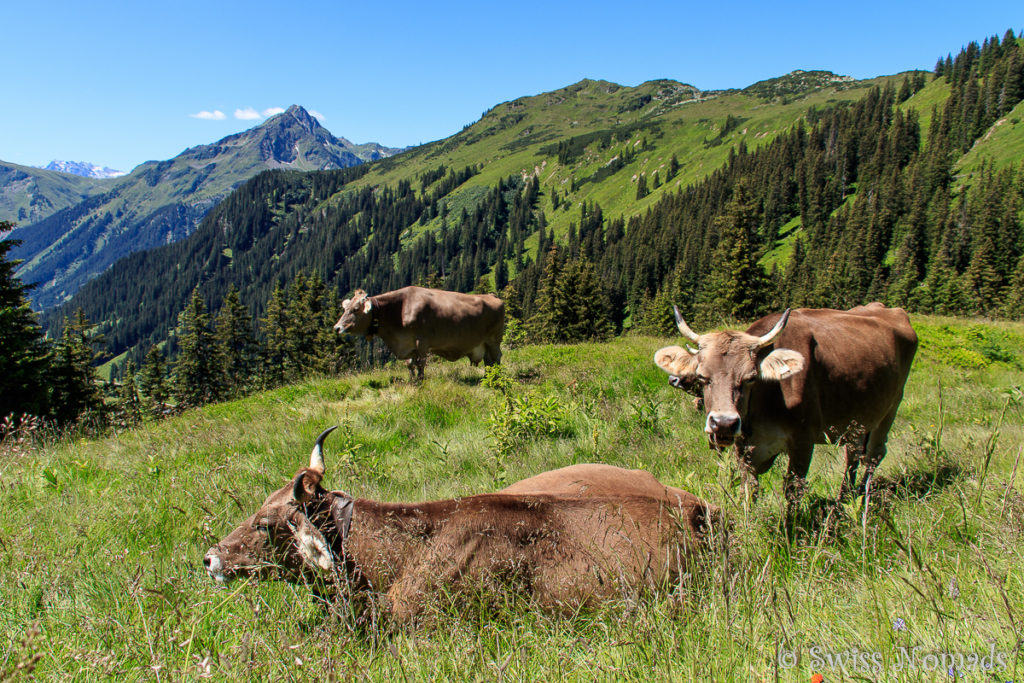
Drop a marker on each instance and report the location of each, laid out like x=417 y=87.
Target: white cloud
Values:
x=317 y=115
x=215 y=115
x=273 y=110
x=247 y=114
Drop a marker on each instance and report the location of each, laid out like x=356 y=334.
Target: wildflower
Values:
x=954 y=591
x=898 y=624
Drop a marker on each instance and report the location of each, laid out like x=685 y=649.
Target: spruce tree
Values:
x=197 y=378
x=24 y=355
x=72 y=378
x=129 y=406
x=983 y=279
x=641 y=187
x=572 y=305
x=1013 y=306
x=236 y=344
x=544 y=324
x=737 y=287
x=274 y=330
x=153 y=383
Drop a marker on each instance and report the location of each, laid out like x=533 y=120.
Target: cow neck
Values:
x=383 y=537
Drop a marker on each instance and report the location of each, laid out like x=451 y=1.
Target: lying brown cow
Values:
x=415 y=322
x=550 y=539
x=803 y=378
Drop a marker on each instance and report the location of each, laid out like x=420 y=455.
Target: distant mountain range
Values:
x=73 y=228
x=83 y=168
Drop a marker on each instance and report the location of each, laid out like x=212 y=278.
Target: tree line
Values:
x=853 y=204
x=208 y=357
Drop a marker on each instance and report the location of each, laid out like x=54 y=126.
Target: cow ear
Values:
x=345 y=304
x=342 y=506
x=367 y=306
x=780 y=364
x=677 y=361
x=304 y=485
x=311 y=544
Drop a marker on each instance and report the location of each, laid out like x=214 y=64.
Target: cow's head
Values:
x=299 y=530
x=357 y=316
x=722 y=369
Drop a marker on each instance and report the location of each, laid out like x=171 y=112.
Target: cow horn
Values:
x=684 y=329
x=774 y=332
x=316 y=458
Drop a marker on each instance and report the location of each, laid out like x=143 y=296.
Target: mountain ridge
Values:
x=163 y=201
x=587 y=143
x=83 y=168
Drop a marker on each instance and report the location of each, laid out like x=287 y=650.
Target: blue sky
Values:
x=119 y=83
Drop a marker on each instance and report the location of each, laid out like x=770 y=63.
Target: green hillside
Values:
x=806 y=190
x=1002 y=145
x=101 y=540
x=599 y=120
x=28 y=195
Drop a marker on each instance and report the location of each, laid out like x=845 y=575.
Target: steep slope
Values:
x=162 y=202
x=593 y=141
x=589 y=143
x=28 y=195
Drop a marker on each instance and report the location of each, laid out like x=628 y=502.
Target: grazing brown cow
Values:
x=416 y=321
x=564 y=548
x=803 y=378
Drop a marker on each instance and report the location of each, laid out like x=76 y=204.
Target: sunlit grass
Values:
x=101 y=540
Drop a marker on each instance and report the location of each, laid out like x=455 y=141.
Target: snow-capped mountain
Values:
x=83 y=168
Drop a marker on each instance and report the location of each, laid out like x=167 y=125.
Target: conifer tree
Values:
x=673 y=168
x=737 y=287
x=641 y=187
x=236 y=344
x=335 y=352
x=24 y=356
x=1013 y=306
x=197 y=378
x=983 y=278
x=72 y=378
x=572 y=305
x=544 y=324
x=153 y=383
x=129 y=406
x=274 y=328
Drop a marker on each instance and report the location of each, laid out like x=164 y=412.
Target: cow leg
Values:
x=411 y=364
x=877 y=441
x=421 y=363
x=492 y=353
x=796 y=474
x=748 y=477
x=854 y=450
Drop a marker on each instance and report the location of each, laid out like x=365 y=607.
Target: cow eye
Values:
x=703 y=379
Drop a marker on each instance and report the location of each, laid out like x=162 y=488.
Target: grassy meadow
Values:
x=101 y=540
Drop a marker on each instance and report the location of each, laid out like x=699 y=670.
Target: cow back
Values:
x=857 y=363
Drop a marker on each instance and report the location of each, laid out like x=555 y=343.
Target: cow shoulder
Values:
x=415 y=301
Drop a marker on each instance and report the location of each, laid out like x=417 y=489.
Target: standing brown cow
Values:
x=803 y=378
x=416 y=321
x=554 y=542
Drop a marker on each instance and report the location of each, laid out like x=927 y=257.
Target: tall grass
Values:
x=101 y=540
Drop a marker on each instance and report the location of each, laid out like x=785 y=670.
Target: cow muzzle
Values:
x=214 y=566
x=722 y=428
